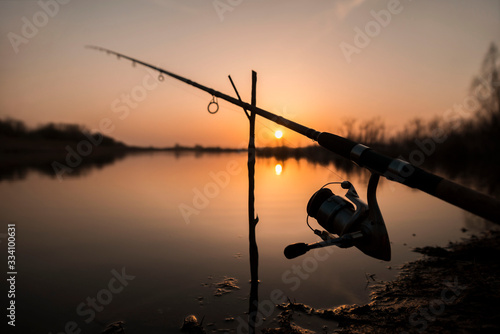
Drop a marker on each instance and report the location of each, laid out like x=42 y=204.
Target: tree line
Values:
x=13 y=128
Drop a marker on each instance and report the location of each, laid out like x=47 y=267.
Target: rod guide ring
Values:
x=216 y=104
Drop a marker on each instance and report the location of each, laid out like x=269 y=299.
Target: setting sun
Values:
x=278 y=134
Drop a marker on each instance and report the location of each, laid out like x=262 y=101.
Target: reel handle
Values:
x=294 y=250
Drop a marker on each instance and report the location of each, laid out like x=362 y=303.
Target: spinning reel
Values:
x=355 y=223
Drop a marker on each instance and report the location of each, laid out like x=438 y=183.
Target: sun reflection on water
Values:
x=278 y=169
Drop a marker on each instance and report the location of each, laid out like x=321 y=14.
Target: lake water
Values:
x=135 y=241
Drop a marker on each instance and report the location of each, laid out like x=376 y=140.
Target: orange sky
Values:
x=417 y=59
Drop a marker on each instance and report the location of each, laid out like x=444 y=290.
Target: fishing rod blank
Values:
x=393 y=169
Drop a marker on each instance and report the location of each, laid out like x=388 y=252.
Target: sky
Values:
x=318 y=63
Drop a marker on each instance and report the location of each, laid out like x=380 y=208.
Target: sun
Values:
x=278 y=134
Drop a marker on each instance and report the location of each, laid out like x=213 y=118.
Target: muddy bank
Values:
x=450 y=290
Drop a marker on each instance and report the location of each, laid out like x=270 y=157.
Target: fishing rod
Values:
x=378 y=164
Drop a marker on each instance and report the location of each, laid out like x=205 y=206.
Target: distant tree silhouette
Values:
x=52 y=131
x=68 y=132
x=369 y=132
x=12 y=128
x=486 y=86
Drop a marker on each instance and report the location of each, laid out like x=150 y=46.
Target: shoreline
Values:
x=453 y=289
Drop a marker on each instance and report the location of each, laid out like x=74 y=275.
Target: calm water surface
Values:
x=144 y=216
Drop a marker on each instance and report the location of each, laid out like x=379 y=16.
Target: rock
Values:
x=192 y=326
